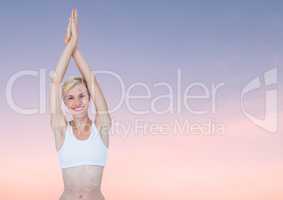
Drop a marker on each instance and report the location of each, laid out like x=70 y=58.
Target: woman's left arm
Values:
x=92 y=83
x=103 y=118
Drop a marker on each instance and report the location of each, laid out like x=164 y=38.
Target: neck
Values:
x=80 y=120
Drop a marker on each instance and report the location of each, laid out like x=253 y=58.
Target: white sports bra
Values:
x=75 y=152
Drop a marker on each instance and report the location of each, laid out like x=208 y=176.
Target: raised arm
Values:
x=58 y=120
x=93 y=85
x=103 y=118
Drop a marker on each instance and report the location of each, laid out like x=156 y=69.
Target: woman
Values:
x=82 y=145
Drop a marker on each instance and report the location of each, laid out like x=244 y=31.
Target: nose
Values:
x=78 y=103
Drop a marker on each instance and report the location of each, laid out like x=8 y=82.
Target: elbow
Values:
x=55 y=79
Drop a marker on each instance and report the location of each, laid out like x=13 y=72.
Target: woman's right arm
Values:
x=57 y=118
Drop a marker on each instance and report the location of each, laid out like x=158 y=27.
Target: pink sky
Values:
x=233 y=166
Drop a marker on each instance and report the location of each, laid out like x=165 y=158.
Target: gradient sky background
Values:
x=230 y=42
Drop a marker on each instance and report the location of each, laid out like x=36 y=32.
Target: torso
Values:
x=80 y=182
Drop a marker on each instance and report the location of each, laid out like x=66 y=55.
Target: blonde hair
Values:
x=71 y=82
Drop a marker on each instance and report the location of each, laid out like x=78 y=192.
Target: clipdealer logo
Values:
x=269 y=83
x=270 y=120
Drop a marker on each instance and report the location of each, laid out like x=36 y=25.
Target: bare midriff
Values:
x=82 y=183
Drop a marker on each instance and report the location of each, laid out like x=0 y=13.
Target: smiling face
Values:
x=77 y=99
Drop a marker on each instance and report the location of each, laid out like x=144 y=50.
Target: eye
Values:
x=81 y=96
x=70 y=98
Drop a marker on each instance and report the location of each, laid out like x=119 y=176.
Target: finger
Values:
x=69 y=28
x=73 y=27
x=76 y=13
x=76 y=18
x=68 y=33
x=73 y=12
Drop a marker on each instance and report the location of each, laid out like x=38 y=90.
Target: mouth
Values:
x=78 y=109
